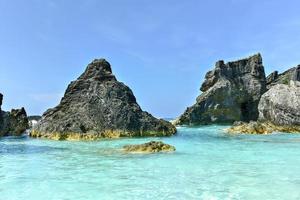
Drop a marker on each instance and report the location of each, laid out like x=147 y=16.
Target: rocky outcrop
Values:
x=281 y=104
x=283 y=78
x=12 y=123
x=96 y=105
x=150 y=147
x=231 y=92
x=279 y=111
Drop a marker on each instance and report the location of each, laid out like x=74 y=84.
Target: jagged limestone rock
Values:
x=284 y=78
x=12 y=123
x=231 y=92
x=96 y=105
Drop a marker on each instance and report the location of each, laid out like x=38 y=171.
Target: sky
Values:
x=161 y=49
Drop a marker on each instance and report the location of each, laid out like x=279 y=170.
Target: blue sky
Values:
x=160 y=48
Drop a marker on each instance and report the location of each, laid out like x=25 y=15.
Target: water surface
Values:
x=208 y=164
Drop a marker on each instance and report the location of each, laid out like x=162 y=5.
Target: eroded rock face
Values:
x=12 y=123
x=150 y=147
x=281 y=104
x=96 y=105
x=283 y=78
x=231 y=92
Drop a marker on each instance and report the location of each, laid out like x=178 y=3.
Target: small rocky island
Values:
x=96 y=105
x=13 y=123
x=149 y=147
x=239 y=92
x=231 y=92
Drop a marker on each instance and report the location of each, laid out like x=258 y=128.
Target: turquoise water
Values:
x=208 y=164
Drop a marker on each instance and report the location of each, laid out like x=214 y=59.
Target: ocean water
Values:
x=208 y=164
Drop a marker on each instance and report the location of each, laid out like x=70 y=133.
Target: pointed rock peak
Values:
x=219 y=63
x=97 y=106
x=101 y=64
x=98 y=69
x=257 y=57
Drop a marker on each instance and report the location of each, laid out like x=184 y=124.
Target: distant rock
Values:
x=231 y=92
x=96 y=105
x=284 y=78
x=18 y=121
x=150 y=147
x=33 y=120
x=35 y=117
x=279 y=111
x=12 y=123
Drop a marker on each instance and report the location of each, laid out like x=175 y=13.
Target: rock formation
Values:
x=96 y=105
x=283 y=78
x=281 y=104
x=231 y=92
x=279 y=110
x=12 y=123
x=150 y=147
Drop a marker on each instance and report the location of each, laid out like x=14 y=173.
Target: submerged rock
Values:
x=96 y=105
x=150 y=147
x=12 y=123
x=231 y=92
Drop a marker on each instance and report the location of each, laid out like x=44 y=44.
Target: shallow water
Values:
x=208 y=164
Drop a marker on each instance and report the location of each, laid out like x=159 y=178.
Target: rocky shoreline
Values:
x=256 y=127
